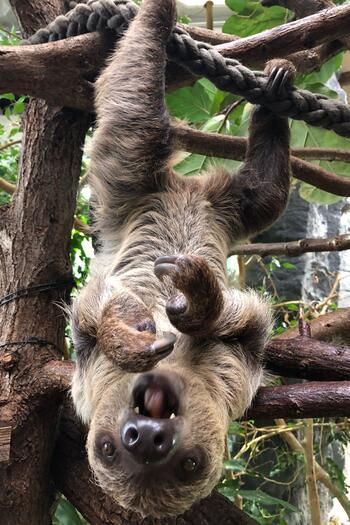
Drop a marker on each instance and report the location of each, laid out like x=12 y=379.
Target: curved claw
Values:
x=165 y=266
x=163 y=347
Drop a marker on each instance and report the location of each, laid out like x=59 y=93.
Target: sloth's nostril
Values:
x=131 y=436
x=158 y=440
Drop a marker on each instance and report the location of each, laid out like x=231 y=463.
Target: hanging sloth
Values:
x=167 y=354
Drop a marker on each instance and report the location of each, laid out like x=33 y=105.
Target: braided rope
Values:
x=203 y=60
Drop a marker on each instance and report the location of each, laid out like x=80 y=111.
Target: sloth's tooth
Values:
x=137 y=410
x=172 y=416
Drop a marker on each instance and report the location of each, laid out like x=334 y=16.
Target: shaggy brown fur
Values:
x=160 y=274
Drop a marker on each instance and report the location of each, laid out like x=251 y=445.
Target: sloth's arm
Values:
x=131 y=144
x=260 y=188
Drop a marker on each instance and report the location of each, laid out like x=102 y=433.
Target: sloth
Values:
x=167 y=353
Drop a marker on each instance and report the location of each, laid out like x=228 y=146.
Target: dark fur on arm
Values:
x=262 y=185
x=131 y=145
x=259 y=191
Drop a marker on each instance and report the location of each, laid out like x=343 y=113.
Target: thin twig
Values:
x=295 y=248
x=314 y=501
x=7 y=186
x=9 y=144
x=321 y=474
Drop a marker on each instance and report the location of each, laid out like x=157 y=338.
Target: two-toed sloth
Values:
x=167 y=354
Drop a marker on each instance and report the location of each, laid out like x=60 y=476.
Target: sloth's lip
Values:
x=155 y=396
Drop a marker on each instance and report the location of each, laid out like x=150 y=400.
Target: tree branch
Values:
x=303 y=8
x=302 y=357
x=305 y=61
x=306 y=33
x=314 y=501
x=335 y=325
x=224 y=146
x=316 y=399
x=82 y=57
x=295 y=248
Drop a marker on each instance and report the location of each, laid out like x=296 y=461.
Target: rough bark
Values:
x=34 y=242
x=307 y=358
x=333 y=326
x=82 y=57
x=306 y=33
x=318 y=399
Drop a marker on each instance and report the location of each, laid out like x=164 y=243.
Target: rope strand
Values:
x=203 y=60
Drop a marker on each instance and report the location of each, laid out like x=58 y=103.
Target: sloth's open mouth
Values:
x=154 y=396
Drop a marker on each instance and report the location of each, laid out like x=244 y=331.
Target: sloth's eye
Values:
x=108 y=450
x=189 y=464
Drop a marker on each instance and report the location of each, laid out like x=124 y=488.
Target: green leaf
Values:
x=236 y=5
x=303 y=135
x=321 y=76
x=67 y=515
x=8 y=96
x=288 y=266
x=254 y=19
x=261 y=497
x=235 y=428
x=191 y=103
x=316 y=196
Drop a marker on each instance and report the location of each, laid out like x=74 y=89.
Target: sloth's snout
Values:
x=151 y=431
x=149 y=440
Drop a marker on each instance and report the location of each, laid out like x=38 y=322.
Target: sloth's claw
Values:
x=281 y=75
x=164 y=266
x=163 y=347
x=195 y=309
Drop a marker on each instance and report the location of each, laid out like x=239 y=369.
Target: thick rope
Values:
x=203 y=60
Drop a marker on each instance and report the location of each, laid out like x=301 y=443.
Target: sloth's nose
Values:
x=149 y=440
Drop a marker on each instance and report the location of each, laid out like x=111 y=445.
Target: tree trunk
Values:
x=34 y=249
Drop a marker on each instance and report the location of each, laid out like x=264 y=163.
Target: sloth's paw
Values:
x=200 y=302
x=281 y=74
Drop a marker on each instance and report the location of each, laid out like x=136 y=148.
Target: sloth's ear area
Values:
x=134 y=349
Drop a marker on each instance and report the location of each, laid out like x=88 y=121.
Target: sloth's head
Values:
x=156 y=442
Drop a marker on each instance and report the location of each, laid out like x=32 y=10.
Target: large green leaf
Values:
x=304 y=135
x=197 y=103
x=321 y=76
x=252 y=18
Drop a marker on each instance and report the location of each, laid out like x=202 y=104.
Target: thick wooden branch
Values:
x=307 y=33
x=303 y=8
x=305 y=61
x=318 y=399
x=302 y=357
x=224 y=146
x=328 y=327
x=295 y=248
x=38 y=70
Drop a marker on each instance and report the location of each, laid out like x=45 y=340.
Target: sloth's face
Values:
x=156 y=442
